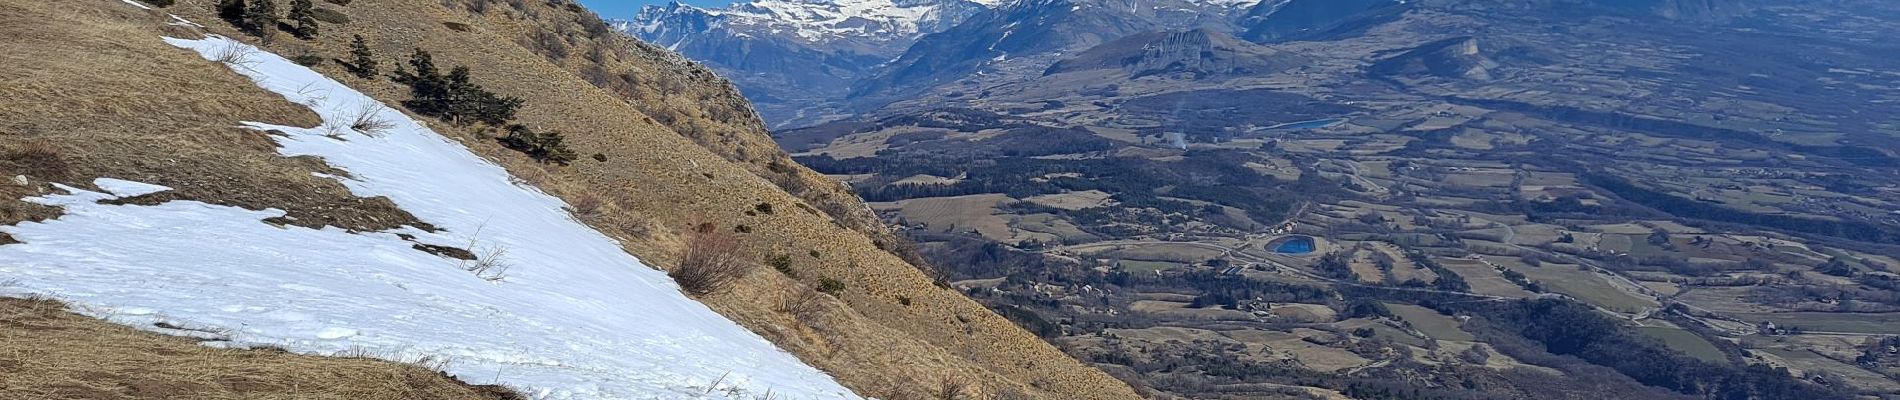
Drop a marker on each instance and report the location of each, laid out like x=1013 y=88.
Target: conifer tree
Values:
x=303 y=20
x=232 y=11
x=260 y=17
x=362 y=61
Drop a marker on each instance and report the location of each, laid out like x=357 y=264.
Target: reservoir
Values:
x=1292 y=245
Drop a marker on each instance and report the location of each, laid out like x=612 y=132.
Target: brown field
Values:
x=1072 y=200
x=975 y=212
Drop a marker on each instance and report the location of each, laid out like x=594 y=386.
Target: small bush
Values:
x=806 y=305
x=369 y=121
x=813 y=253
x=904 y=300
x=160 y=3
x=587 y=206
x=338 y=2
x=307 y=59
x=39 y=159
x=544 y=147
x=236 y=54
x=951 y=389
x=830 y=286
x=330 y=16
x=742 y=228
x=600 y=157
x=764 y=208
x=711 y=263
x=783 y=264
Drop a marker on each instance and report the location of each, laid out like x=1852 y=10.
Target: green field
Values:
x=1148 y=267
x=1429 y=321
x=1884 y=324
x=1686 y=342
x=1575 y=282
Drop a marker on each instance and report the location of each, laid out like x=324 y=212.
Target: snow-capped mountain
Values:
x=811 y=22
x=786 y=54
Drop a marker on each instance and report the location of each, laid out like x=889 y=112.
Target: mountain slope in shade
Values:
x=1290 y=19
x=1450 y=58
x=1198 y=52
x=1031 y=32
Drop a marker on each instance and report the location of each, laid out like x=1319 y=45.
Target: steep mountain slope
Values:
x=1026 y=33
x=1278 y=21
x=677 y=152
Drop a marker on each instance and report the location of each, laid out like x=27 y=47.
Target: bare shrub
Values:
x=490 y=262
x=369 y=121
x=491 y=265
x=587 y=206
x=951 y=388
x=712 y=262
x=236 y=54
x=38 y=158
x=806 y=305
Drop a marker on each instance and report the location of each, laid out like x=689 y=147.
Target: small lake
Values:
x=1314 y=124
x=1293 y=245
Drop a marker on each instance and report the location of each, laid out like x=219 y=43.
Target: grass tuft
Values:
x=38 y=158
x=712 y=262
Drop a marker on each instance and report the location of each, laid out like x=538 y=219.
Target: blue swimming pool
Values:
x=1294 y=245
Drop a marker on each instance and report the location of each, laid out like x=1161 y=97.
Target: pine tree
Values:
x=232 y=11
x=452 y=97
x=303 y=19
x=260 y=17
x=362 y=61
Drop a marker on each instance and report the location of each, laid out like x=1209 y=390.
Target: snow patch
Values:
x=575 y=317
x=125 y=188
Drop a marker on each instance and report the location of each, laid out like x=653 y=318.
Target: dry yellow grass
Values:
x=680 y=147
x=91 y=80
x=48 y=353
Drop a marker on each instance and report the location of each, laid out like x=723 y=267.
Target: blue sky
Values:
x=626 y=8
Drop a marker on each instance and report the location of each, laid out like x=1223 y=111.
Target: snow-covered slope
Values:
x=556 y=309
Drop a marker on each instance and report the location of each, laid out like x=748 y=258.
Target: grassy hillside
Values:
x=665 y=149
x=48 y=353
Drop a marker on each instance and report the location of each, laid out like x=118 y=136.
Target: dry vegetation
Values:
x=92 y=92
x=713 y=261
x=92 y=78
x=49 y=353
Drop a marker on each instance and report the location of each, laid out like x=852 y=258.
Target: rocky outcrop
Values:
x=1197 y=53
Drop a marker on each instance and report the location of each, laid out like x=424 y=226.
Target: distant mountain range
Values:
x=804 y=62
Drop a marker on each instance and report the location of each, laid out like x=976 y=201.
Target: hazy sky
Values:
x=626 y=8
